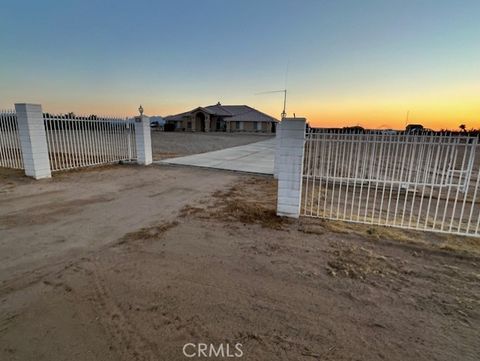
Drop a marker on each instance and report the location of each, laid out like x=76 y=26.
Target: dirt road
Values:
x=131 y=263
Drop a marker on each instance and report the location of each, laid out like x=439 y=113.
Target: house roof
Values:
x=229 y=112
x=176 y=117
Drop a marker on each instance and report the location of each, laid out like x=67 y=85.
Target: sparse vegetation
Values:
x=428 y=240
x=146 y=233
x=242 y=203
x=357 y=262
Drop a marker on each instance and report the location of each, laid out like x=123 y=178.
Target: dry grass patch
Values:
x=165 y=155
x=11 y=178
x=189 y=210
x=311 y=225
x=58 y=175
x=252 y=201
x=146 y=233
x=9 y=173
x=427 y=240
x=358 y=263
x=461 y=244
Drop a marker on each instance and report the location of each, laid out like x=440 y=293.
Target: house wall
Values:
x=248 y=126
x=237 y=127
x=213 y=123
x=231 y=127
x=182 y=125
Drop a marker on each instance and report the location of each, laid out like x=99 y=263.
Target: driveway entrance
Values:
x=252 y=158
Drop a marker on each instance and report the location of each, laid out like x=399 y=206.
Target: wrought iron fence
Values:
x=10 y=148
x=75 y=141
x=416 y=181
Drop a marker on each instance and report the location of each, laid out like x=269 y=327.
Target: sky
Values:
x=344 y=62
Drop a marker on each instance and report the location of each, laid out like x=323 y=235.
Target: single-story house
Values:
x=223 y=118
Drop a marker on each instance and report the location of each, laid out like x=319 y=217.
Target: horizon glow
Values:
x=349 y=63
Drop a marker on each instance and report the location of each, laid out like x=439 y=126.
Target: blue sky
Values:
x=349 y=62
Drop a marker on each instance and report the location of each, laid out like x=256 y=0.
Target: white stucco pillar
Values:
x=277 y=149
x=33 y=140
x=143 y=140
x=289 y=166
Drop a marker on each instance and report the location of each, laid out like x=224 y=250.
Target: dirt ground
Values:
x=131 y=263
x=177 y=144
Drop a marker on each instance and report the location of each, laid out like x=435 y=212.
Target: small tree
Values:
x=463 y=127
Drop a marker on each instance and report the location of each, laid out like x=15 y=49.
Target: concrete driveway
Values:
x=253 y=158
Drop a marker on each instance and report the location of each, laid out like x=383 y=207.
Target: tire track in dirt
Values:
x=129 y=343
x=36 y=275
x=54 y=268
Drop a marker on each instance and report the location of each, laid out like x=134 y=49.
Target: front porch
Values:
x=201 y=121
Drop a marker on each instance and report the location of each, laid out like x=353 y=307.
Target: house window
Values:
x=237 y=125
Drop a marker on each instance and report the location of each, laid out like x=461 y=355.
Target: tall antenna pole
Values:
x=284 y=91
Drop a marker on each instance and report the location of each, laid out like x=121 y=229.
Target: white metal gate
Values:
x=75 y=142
x=10 y=149
x=427 y=182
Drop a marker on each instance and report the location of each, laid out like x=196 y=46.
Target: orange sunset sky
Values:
x=343 y=62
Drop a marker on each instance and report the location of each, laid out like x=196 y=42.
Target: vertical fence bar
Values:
x=78 y=141
x=416 y=181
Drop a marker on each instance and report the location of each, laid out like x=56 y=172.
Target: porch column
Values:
x=207 y=123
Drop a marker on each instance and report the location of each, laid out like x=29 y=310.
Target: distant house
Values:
x=414 y=128
x=156 y=121
x=223 y=118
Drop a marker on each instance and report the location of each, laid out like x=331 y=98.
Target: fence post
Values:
x=143 y=140
x=33 y=140
x=289 y=166
x=278 y=134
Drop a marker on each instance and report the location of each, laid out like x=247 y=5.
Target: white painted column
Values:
x=289 y=167
x=33 y=140
x=278 y=134
x=143 y=140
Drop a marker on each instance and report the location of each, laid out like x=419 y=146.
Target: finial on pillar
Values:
x=140 y=109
